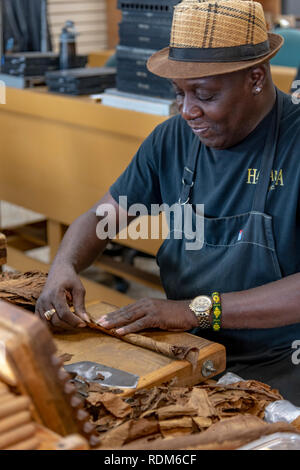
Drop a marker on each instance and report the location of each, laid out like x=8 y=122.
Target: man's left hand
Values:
x=147 y=313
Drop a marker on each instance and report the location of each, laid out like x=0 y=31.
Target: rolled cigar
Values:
x=14 y=406
x=170 y=350
x=14 y=421
x=6 y=397
x=3 y=388
x=13 y=437
x=29 y=444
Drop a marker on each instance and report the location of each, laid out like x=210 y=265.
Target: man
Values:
x=234 y=148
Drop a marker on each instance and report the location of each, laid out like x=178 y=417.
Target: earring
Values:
x=258 y=90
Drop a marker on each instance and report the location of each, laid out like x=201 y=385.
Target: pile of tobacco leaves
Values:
x=168 y=411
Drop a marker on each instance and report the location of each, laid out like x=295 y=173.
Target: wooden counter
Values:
x=60 y=154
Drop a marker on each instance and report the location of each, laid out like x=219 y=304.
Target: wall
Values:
x=97 y=20
x=90 y=19
x=291 y=7
x=113 y=18
x=272 y=6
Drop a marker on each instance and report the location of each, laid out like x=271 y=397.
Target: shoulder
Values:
x=171 y=138
x=169 y=141
x=172 y=128
x=290 y=120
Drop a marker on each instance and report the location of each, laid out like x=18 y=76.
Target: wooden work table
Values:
x=59 y=156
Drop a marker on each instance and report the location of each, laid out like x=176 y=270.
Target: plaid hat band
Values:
x=220 y=31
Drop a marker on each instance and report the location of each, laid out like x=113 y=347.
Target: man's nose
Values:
x=190 y=109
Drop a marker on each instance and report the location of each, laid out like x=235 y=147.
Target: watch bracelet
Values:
x=216 y=311
x=203 y=321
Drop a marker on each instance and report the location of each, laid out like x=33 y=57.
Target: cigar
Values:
x=173 y=351
x=14 y=421
x=13 y=437
x=6 y=397
x=13 y=406
x=29 y=444
x=3 y=388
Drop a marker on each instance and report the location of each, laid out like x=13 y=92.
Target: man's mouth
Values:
x=199 y=130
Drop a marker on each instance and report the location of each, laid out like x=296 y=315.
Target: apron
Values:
x=239 y=253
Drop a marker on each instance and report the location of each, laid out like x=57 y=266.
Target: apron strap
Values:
x=268 y=158
x=189 y=172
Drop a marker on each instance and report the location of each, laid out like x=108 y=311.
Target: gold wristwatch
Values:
x=202 y=306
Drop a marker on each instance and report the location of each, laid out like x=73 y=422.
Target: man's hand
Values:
x=167 y=315
x=62 y=282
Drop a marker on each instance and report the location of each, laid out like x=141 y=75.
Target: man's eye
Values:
x=205 y=98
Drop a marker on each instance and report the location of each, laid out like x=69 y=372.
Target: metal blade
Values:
x=91 y=371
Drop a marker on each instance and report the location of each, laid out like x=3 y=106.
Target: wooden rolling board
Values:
x=151 y=367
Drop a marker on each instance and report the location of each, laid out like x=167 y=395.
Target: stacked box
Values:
x=33 y=64
x=144 y=29
x=84 y=81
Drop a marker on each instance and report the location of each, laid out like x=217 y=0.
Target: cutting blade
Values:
x=103 y=375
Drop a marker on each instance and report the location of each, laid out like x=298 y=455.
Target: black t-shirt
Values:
x=225 y=180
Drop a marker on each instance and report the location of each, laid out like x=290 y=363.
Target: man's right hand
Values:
x=79 y=248
x=63 y=282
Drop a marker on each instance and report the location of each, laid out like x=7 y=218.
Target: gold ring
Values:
x=49 y=314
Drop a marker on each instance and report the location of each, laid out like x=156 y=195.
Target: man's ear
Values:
x=258 y=76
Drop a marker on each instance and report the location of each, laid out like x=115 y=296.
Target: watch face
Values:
x=202 y=303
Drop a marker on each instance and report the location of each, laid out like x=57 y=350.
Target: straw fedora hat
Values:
x=213 y=38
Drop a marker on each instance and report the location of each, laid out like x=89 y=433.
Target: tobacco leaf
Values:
x=172 y=433
x=202 y=422
x=115 y=405
x=251 y=386
x=66 y=357
x=196 y=404
x=22 y=288
x=296 y=423
x=242 y=397
x=115 y=437
x=145 y=402
x=100 y=376
x=184 y=422
x=107 y=422
x=203 y=405
x=227 y=434
x=128 y=432
x=144 y=441
x=141 y=428
x=258 y=409
x=200 y=402
x=94 y=399
x=175 y=410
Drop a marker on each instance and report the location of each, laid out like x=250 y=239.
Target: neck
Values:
x=265 y=103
